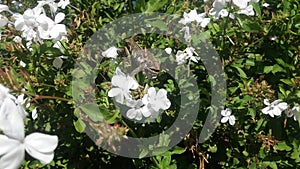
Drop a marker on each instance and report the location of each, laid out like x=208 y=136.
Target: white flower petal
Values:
x=41 y=146
x=7 y=144
x=271 y=113
x=151 y=92
x=146 y=112
x=12 y=123
x=111 y=52
x=139 y=115
x=132 y=84
x=118 y=80
x=276 y=111
x=114 y=92
x=224 y=119
x=3 y=20
x=34 y=114
x=265 y=110
x=3 y=8
x=282 y=106
x=241 y=3
x=59 y=17
x=57 y=31
x=168 y=50
x=119 y=72
x=131 y=113
x=231 y=120
x=14 y=158
x=266 y=102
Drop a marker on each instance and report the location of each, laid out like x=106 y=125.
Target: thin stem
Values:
x=131 y=131
x=156 y=162
x=50 y=97
x=225 y=25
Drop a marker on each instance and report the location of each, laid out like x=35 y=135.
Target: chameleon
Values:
x=144 y=60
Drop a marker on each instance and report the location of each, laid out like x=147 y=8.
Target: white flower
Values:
x=156 y=101
x=227 y=116
x=218 y=5
x=38 y=145
x=219 y=10
x=265 y=5
x=168 y=50
x=205 y=22
x=34 y=113
x=187 y=36
x=190 y=54
x=3 y=8
x=27 y=23
x=4 y=93
x=193 y=16
x=275 y=108
x=181 y=57
x=138 y=110
x=49 y=29
x=111 y=52
x=245 y=7
x=53 y=5
x=122 y=84
x=13 y=143
x=63 y=3
x=187 y=54
x=20 y=101
x=241 y=3
x=188 y=17
x=294 y=113
x=17 y=39
x=3 y=20
x=247 y=11
x=23 y=64
x=11 y=121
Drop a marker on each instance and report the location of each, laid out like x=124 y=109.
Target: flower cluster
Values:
x=273 y=109
x=150 y=105
x=219 y=10
x=34 y=23
x=13 y=142
x=277 y=107
x=187 y=54
x=192 y=16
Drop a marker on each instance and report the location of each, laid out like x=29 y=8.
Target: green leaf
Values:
x=155 y=5
x=256 y=7
x=93 y=111
x=159 y=24
x=178 y=150
x=273 y=165
x=79 y=125
x=287 y=81
x=242 y=74
x=166 y=161
x=277 y=68
x=160 y=150
x=143 y=153
x=253 y=27
x=282 y=146
x=213 y=148
x=268 y=69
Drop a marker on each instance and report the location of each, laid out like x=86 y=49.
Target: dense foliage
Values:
x=259 y=50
